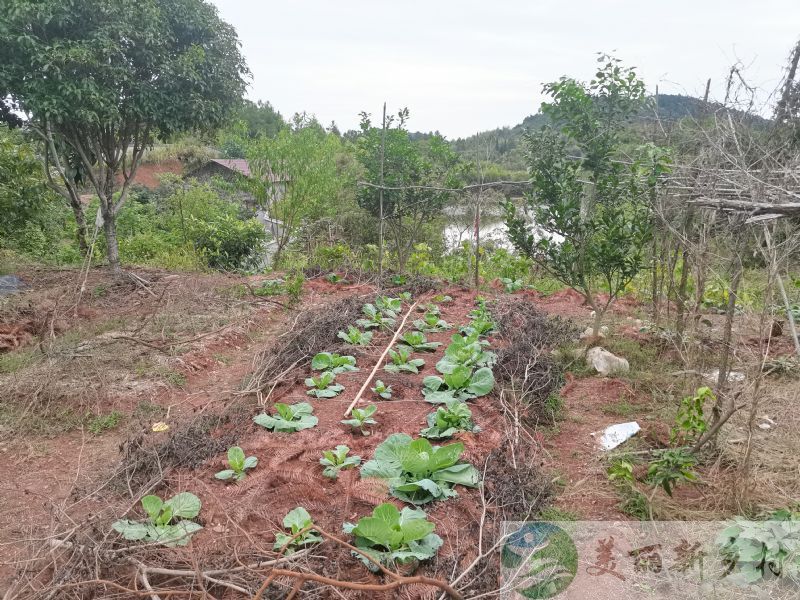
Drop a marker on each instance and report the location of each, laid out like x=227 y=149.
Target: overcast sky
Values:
x=463 y=66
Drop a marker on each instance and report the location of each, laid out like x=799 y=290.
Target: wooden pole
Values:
x=380 y=197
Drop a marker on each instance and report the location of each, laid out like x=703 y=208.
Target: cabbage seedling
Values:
x=431 y=323
x=383 y=390
x=296 y=520
x=393 y=537
x=465 y=351
x=448 y=420
x=417 y=341
x=337 y=460
x=402 y=361
x=461 y=383
x=361 y=418
x=391 y=306
x=290 y=418
x=375 y=318
x=330 y=361
x=238 y=465
x=355 y=337
x=158 y=528
x=324 y=386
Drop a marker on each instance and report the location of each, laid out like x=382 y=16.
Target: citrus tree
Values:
x=106 y=77
x=588 y=217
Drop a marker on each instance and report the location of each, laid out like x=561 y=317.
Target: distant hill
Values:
x=502 y=145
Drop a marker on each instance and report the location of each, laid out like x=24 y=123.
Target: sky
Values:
x=464 y=66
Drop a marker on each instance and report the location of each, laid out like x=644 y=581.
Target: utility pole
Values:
x=380 y=197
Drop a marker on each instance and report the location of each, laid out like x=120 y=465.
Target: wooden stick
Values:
x=380 y=360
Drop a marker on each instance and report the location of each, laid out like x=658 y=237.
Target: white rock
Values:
x=614 y=435
x=589 y=332
x=605 y=362
x=733 y=376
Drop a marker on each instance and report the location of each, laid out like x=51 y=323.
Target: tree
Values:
x=112 y=75
x=296 y=176
x=587 y=219
x=410 y=172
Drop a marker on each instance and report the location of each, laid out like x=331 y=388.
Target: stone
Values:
x=605 y=362
x=588 y=332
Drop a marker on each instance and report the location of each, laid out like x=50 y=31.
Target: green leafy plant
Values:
x=335 y=363
x=393 y=537
x=335 y=278
x=448 y=420
x=355 y=337
x=337 y=460
x=405 y=296
x=389 y=306
x=621 y=471
x=402 y=361
x=417 y=472
x=672 y=467
x=324 y=386
x=296 y=520
x=460 y=383
x=270 y=287
x=290 y=417
x=690 y=422
x=478 y=326
x=431 y=323
x=159 y=527
x=375 y=318
x=757 y=550
x=361 y=417
x=442 y=299
x=383 y=390
x=465 y=351
x=398 y=280
x=417 y=341
x=512 y=285
x=238 y=465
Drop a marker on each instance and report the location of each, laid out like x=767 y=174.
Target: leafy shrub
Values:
x=672 y=467
x=512 y=285
x=690 y=423
x=402 y=361
x=383 y=390
x=324 y=386
x=355 y=337
x=238 y=465
x=460 y=383
x=337 y=460
x=296 y=520
x=417 y=472
x=757 y=550
x=335 y=363
x=393 y=537
x=448 y=420
x=290 y=418
x=361 y=417
x=270 y=287
x=158 y=528
x=417 y=341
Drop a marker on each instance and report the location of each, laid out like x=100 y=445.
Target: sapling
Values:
x=296 y=520
x=355 y=337
x=158 y=528
x=290 y=417
x=383 y=390
x=337 y=460
x=402 y=361
x=361 y=417
x=238 y=465
x=324 y=386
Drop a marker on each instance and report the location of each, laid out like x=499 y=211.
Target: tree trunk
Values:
x=80 y=229
x=112 y=246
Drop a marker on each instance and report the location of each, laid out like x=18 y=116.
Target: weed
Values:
x=552 y=513
x=100 y=423
x=11 y=362
x=171 y=376
x=623 y=408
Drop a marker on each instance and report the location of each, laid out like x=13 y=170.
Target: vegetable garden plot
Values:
x=309 y=455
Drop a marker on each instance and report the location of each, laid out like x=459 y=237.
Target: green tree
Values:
x=411 y=169
x=298 y=176
x=587 y=219
x=112 y=75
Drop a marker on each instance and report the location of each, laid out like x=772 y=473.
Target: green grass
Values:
x=100 y=423
x=148 y=410
x=623 y=408
x=551 y=513
x=11 y=362
x=171 y=376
